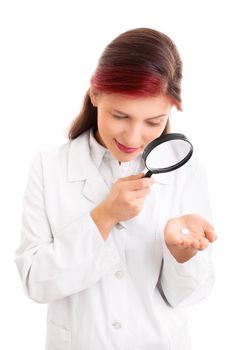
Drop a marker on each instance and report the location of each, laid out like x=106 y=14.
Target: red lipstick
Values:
x=125 y=149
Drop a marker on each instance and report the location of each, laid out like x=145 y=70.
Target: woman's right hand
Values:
x=124 y=201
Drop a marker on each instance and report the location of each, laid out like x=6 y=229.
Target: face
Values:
x=127 y=124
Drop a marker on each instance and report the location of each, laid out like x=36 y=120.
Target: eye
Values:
x=119 y=116
x=154 y=124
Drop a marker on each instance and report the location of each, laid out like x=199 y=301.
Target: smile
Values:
x=126 y=149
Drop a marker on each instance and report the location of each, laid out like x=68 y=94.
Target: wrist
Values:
x=182 y=255
x=103 y=220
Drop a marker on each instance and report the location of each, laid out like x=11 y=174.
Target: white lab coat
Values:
x=126 y=293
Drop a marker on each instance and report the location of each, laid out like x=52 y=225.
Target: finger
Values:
x=191 y=243
x=195 y=244
x=135 y=182
x=186 y=243
x=204 y=242
x=135 y=196
x=199 y=244
x=138 y=184
x=210 y=233
x=140 y=194
x=131 y=177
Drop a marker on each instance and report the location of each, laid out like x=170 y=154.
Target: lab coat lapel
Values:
x=82 y=168
x=95 y=188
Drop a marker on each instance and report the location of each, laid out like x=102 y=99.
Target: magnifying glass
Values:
x=167 y=153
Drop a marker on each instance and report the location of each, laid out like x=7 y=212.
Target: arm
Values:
x=53 y=265
x=189 y=279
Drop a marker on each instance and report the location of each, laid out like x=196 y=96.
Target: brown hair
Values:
x=139 y=62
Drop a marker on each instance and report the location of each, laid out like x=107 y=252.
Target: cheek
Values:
x=101 y=121
x=105 y=126
x=153 y=133
x=109 y=126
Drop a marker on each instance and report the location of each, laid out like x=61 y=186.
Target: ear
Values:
x=94 y=97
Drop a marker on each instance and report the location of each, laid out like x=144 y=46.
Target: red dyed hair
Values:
x=139 y=62
x=126 y=81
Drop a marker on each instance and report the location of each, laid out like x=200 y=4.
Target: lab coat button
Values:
x=116 y=325
x=119 y=274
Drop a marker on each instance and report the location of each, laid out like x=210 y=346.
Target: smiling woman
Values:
x=125 y=134
x=102 y=244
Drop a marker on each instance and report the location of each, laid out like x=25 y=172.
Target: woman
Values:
x=104 y=246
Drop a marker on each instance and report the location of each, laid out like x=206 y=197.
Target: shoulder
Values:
x=192 y=172
x=50 y=156
x=189 y=171
x=193 y=165
x=192 y=175
x=61 y=153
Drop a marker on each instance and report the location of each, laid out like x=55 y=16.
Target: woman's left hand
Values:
x=186 y=235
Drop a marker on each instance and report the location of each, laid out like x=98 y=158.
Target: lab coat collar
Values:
x=79 y=158
x=82 y=168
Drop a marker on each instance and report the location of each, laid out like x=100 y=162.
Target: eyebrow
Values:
x=127 y=115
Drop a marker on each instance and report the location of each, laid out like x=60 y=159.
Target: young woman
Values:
x=104 y=246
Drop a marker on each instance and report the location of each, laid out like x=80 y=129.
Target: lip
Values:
x=125 y=149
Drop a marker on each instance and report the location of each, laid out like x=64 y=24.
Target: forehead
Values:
x=146 y=106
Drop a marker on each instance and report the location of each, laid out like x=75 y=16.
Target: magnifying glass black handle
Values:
x=148 y=174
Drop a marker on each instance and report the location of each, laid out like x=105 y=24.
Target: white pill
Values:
x=185 y=231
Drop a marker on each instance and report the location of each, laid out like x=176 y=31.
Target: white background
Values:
x=49 y=50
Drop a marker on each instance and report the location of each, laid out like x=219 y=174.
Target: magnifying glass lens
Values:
x=167 y=153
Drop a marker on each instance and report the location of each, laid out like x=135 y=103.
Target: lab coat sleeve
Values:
x=186 y=283
x=53 y=265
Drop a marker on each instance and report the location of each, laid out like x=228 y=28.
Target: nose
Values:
x=133 y=136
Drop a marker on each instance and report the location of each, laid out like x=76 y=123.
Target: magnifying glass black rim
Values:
x=159 y=141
